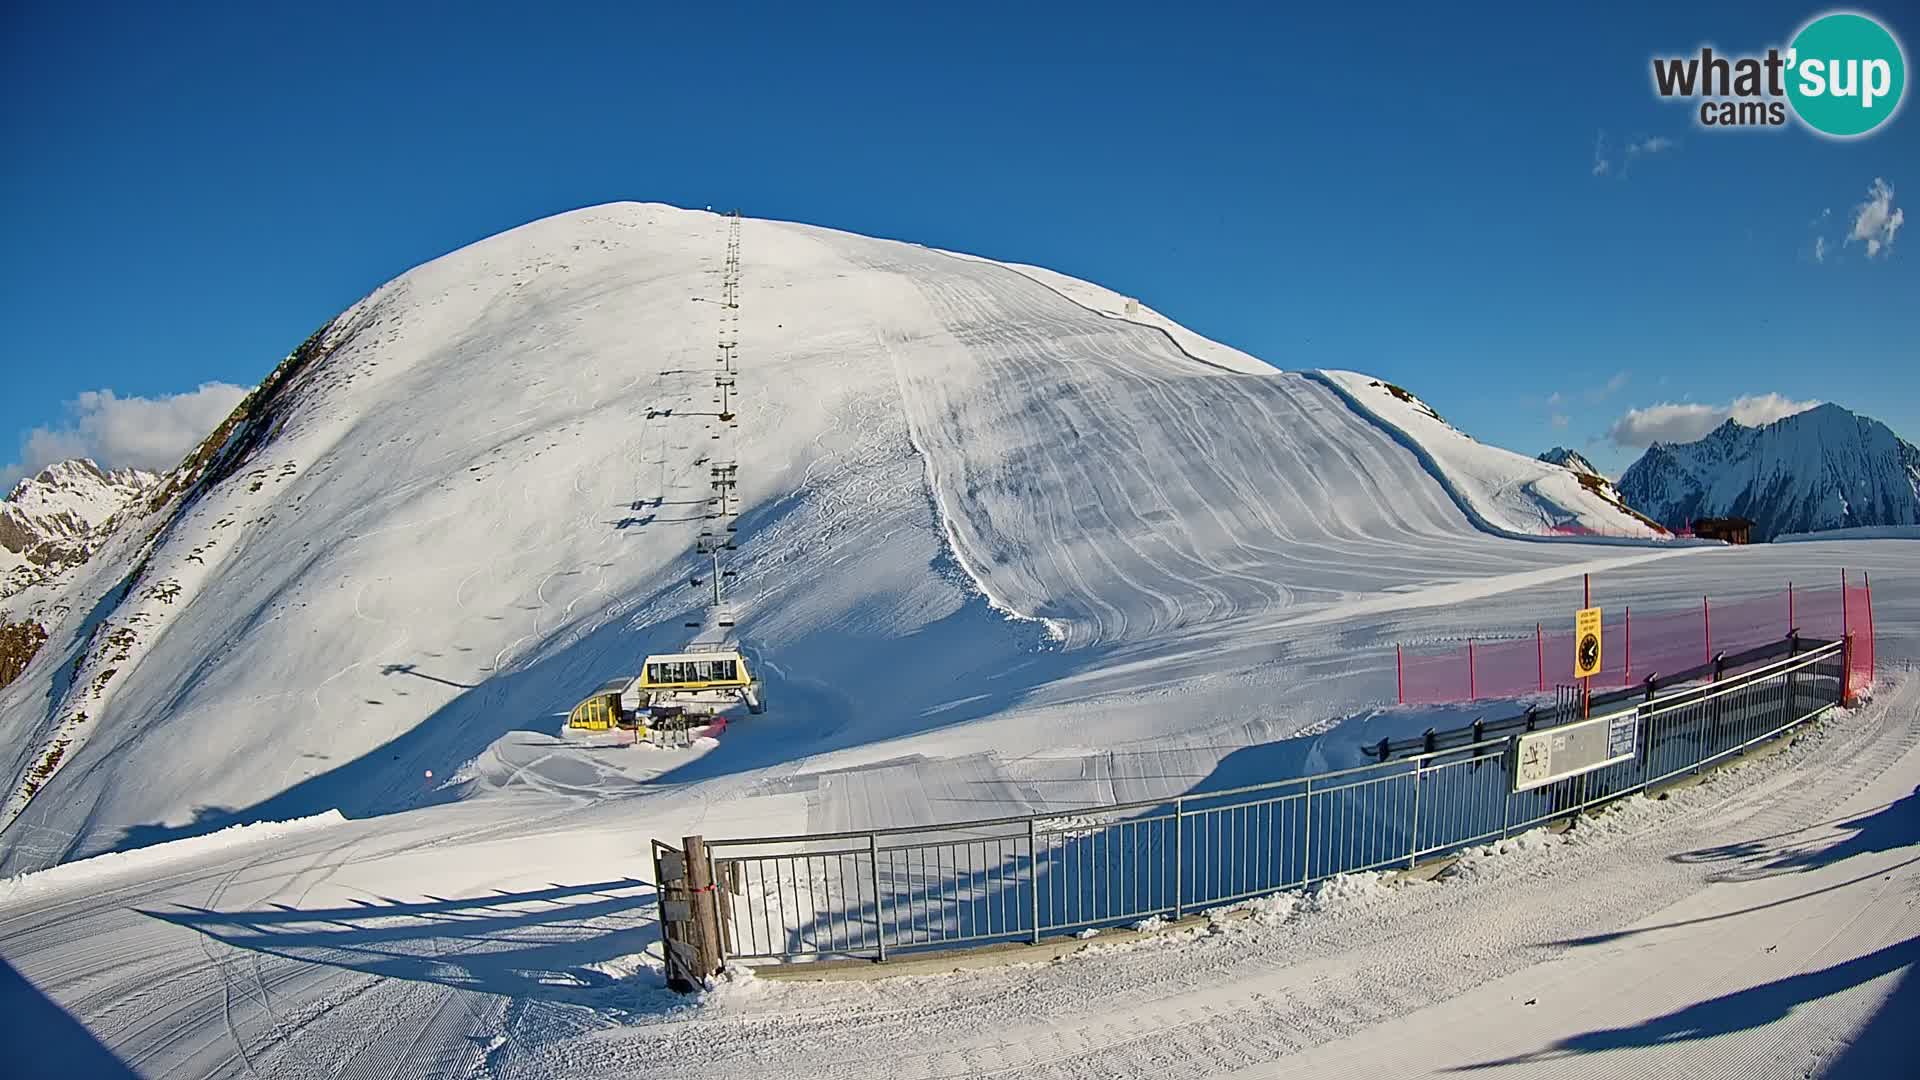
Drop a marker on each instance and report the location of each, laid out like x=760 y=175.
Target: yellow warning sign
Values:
x=1586 y=643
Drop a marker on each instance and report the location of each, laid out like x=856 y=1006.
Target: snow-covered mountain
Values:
x=1826 y=468
x=54 y=520
x=1569 y=459
x=969 y=494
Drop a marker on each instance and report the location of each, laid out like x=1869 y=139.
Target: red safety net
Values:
x=1859 y=616
x=1643 y=643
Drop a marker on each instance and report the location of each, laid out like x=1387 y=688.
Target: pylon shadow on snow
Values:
x=550 y=944
x=1756 y=1007
x=43 y=1039
x=1886 y=828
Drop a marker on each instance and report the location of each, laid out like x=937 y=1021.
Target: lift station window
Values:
x=693 y=671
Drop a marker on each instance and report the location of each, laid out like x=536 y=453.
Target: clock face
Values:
x=1589 y=652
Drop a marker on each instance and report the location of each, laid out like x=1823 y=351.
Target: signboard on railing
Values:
x=1542 y=757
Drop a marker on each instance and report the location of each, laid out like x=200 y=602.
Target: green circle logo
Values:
x=1846 y=74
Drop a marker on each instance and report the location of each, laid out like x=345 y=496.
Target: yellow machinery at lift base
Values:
x=601 y=712
x=704 y=680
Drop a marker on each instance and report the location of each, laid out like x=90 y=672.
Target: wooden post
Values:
x=704 y=927
x=677 y=930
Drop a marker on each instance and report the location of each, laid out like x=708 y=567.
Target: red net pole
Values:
x=1706 y=621
x=1540 y=650
x=1873 y=651
x=1846 y=647
x=1473 y=691
x=1626 y=676
x=1399 y=675
x=1790 y=621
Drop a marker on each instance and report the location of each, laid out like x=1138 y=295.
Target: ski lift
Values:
x=709 y=679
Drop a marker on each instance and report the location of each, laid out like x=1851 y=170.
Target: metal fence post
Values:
x=1413 y=832
x=1306 y=833
x=879 y=920
x=1033 y=876
x=1178 y=900
x=1506 y=793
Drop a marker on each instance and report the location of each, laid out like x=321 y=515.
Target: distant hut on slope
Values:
x=1733 y=530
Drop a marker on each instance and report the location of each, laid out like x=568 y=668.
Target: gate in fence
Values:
x=878 y=893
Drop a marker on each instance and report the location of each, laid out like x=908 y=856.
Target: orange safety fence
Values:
x=1643 y=643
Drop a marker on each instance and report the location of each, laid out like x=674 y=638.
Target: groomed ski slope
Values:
x=1758 y=924
x=479 y=501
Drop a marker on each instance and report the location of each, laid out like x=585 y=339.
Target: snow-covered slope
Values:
x=1506 y=492
x=55 y=519
x=1826 y=468
x=475 y=496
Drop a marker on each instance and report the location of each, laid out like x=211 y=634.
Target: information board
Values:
x=1542 y=757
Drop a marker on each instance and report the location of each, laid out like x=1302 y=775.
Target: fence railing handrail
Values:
x=874 y=893
x=1686 y=696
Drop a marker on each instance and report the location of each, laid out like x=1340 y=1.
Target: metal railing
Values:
x=1719 y=667
x=875 y=893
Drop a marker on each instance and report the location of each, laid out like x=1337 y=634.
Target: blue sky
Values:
x=186 y=194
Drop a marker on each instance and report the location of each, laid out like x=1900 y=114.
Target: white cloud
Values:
x=1876 y=220
x=1561 y=420
x=1819 y=249
x=120 y=432
x=1685 y=422
x=1633 y=150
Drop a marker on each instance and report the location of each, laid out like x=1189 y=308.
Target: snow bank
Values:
x=1859 y=532
x=1478 y=862
x=102 y=868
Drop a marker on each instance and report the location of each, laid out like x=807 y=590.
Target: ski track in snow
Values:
x=1222 y=556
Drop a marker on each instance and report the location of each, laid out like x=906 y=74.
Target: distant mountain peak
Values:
x=1825 y=468
x=1569 y=459
x=55 y=518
